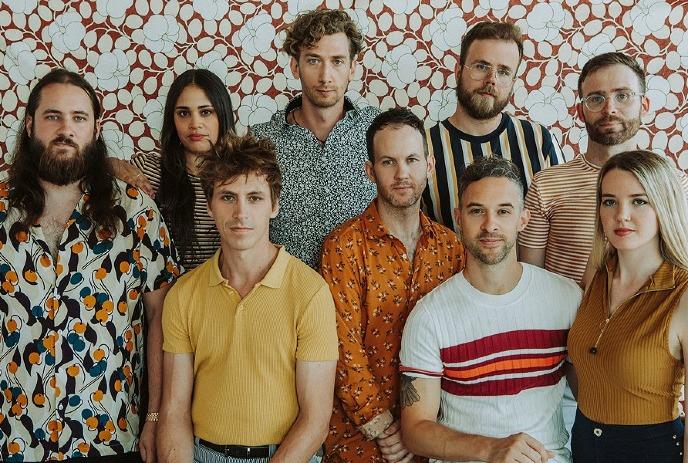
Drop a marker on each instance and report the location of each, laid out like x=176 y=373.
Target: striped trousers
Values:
x=203 y=454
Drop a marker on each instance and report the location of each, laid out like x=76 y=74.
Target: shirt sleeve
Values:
x=356 y=386
x=157 y=255
x=551 y=150
x=420 y=349
x=316 y=332
x=176 y=337
x=536 y=232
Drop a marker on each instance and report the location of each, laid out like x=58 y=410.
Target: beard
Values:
x=54 y=166
x=629 y=129
x=476 y=251
x=479 y=106
x=388 y=196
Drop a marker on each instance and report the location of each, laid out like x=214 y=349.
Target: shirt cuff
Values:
x=377 y=425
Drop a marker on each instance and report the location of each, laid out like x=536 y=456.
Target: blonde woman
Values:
x=630 y=337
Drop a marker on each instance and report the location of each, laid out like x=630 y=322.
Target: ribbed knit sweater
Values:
x=632 y=377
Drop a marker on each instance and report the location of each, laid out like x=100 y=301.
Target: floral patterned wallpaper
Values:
x=131 y=50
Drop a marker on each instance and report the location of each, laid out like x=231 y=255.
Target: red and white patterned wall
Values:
x=131 y=50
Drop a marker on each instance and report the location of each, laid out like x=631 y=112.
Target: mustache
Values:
x=489 y=89
x=610 y=118
x=491 y=236
x=64 y=140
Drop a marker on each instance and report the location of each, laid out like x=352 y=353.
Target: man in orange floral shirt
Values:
x=378 y=265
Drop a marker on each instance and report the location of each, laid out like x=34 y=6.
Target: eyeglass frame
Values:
x=630 y=93
x=490 y=69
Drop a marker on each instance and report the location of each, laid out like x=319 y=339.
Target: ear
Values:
x=97 y=132
x=294 y=66
x=431 y=163
x=210 y=210
x=457 y=216
x=524 y=218
x=352 y=69
x=579 y=111
x=28 y=123
x=644 y=105
x=275 y=209
x=370 y=171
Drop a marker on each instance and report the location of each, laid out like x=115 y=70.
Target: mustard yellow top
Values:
x=631 y=377
x=245 y=350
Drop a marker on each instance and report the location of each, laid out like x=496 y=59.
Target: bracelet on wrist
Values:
x=153 y=416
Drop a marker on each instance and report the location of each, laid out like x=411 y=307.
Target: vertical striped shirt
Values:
x=562 y=202
x=206 y=238
x=527 y=144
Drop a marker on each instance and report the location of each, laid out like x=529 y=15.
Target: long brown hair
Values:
x=26 y=192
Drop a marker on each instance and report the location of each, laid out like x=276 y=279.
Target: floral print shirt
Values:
x=71 y=343
x=323 y=183
x=375 y=286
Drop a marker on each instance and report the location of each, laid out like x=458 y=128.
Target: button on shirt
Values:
x=375 y=286
x=323 y=184
x=71 y=349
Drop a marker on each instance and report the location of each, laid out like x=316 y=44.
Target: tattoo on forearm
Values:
x=409 y=393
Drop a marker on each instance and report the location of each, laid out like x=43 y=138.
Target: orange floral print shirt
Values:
x=375 y=286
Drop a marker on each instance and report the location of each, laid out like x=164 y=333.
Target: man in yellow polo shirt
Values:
x=250 y=344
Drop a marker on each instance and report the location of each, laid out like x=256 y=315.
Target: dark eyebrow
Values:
x=315 y=55
x=199 y=107
x=57 y=111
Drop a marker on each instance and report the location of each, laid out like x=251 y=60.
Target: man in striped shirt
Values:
x=562 y=199
x=482 y=356
x=490 y=55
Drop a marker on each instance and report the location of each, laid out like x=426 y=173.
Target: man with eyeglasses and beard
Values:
x=561 y=200
x=83 y=258
x=490 y=55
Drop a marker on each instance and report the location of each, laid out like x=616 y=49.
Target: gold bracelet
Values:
x=153 y=416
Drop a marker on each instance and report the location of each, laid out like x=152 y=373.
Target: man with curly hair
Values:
x=320 y=136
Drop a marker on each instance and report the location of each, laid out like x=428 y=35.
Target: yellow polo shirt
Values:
x=245 y=350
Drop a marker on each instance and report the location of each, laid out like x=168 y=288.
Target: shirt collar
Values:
x=663 y=278
x=349 y=107
x=272 y=279
x=375 y=230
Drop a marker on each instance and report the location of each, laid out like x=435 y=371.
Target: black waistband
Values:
x=238 y=451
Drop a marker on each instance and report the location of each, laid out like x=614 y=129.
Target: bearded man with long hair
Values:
x=83 y=257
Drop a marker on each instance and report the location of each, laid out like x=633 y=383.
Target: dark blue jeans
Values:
x=650 y=443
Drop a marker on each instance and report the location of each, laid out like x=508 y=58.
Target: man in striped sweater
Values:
x=562 y=199
x=490 y=55
x=483 y=354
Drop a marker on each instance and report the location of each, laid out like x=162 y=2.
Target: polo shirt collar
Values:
x=663 y=278
x=375 y=230
x=272 y=279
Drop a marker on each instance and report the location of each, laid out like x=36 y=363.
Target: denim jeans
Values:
x=650 y=443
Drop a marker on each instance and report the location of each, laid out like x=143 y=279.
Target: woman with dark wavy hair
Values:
x=198 y=110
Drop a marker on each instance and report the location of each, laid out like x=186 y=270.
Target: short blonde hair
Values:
x=662 y=187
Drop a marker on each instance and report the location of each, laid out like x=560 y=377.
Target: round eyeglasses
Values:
x=480 y=71
x=595 y=101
